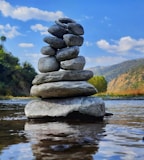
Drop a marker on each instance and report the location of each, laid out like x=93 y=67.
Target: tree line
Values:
x=15 y=79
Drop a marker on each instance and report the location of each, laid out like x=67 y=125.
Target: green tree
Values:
x=15 y=79
x=2 y=39
x=28 y=72
x=99 y=82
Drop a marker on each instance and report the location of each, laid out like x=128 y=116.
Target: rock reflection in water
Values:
x=60 y=140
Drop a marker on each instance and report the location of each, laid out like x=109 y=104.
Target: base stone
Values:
x=84 y=107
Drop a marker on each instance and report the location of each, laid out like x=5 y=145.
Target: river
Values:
x=117 y=137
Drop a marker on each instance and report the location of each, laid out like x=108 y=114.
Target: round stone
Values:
x=75 y=28
x=47 y=50
x=57 y=31
x=73 y=40
x=64 y=21
x=67 y=53
x=48 y=64
x=73 y=64
x=55 y=42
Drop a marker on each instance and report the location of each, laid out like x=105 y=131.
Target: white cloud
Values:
x=40 y=28
x=88 y=44
x=122 y=46
x=26 y=45
x=24 y=13
x=9 y=31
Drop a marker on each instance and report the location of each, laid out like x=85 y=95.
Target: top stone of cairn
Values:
x=64 y=26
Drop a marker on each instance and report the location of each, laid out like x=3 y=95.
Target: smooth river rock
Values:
x=92 y=106
x=67 y=53
x=55 y=42
x=57 y=30
x=63 y=89
x=65 y=75
x=75 y=28
x=73 y=40
x=64 y=21
x=77 y=63
x=47 y=50
x=48 y=64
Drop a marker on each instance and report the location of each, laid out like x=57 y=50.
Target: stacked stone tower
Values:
x=62 y=85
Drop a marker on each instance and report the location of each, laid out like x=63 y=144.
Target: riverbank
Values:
x=105 y=97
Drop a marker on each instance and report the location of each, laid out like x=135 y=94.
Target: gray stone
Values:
x=73 y=40
x=55 y=42
x=48 y=64
x=47 y=50
x=64 y=21
x=57 y=31
x=75 y=28
x=67 y=53
x=73 y=64
x=63 y=89
x=62 y=107
x=66 y=75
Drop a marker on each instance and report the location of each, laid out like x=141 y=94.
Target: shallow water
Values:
x=117 y=137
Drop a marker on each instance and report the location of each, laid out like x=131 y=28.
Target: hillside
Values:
x=15 y=79
x=127 y=83
x=113 y=71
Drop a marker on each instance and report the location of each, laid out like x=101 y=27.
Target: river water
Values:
x=117 y=137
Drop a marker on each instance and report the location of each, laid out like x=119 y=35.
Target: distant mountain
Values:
x=129 y=82
x=113 y=71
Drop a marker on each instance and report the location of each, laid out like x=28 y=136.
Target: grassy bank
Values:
x=12 y=97
x=123 y=95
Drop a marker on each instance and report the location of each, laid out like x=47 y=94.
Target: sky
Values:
x=113 y=29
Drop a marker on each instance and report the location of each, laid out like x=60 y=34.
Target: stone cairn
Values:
x=62 y=85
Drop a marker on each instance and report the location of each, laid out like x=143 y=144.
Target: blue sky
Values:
x=114 y=29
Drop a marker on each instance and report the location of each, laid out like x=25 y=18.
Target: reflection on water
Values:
x=117 y=137
x=56 y=140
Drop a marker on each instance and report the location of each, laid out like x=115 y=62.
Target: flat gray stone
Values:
x=73 y=40
x=57 y=31
x=92 y=106
x=67 y=53
x=63 y=89
x=77 y=63
x=48 y=64
x=55 y=42
x=66 y=75
x=47 y=50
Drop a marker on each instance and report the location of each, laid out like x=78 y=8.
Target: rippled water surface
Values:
x=117 y=137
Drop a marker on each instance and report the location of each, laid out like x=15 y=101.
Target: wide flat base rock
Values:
x=57 y=109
